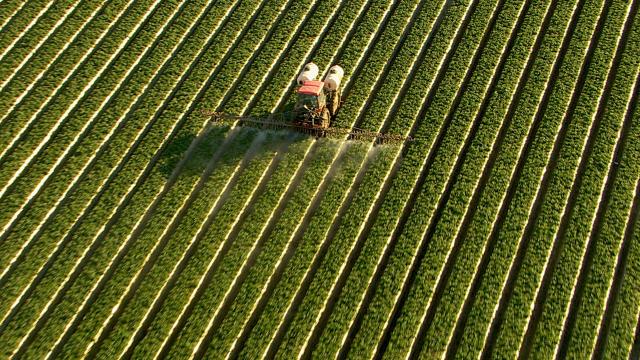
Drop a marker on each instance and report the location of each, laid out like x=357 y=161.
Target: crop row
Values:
x=48 y=25
x=38 y=72
x=591 y=181
x=543 y=240
x=398 y=75
x=581 y=337
x=445 y=241
x=143 y=199
x=478 y=327
x=62 y=183
x=22 y=24
x=518 y=106
x=165 y=124
x=622 y=334
x=20 y=190
x=53 y=144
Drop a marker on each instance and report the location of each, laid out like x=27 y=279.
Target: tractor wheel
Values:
x=326 y=118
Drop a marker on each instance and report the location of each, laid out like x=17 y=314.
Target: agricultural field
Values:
x=505 y=225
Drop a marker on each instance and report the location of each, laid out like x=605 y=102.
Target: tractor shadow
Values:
x=190 y=154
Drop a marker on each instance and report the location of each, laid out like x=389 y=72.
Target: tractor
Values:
x=318 y=101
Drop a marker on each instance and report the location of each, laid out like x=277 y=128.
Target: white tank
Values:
x=309 y=72
x=333 y=78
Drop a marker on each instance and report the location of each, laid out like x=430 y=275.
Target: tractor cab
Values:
x=311 y=106
x=318 y=101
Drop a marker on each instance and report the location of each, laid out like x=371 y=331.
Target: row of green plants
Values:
x=38 y=71
x=49 y=100
x=608 y=238
x=50 y=24
x=57 y=190
x=622 y=333
x=555 y=204
x=478 y=327
x=524 y=98
x=575 y=237
x=169 y=122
